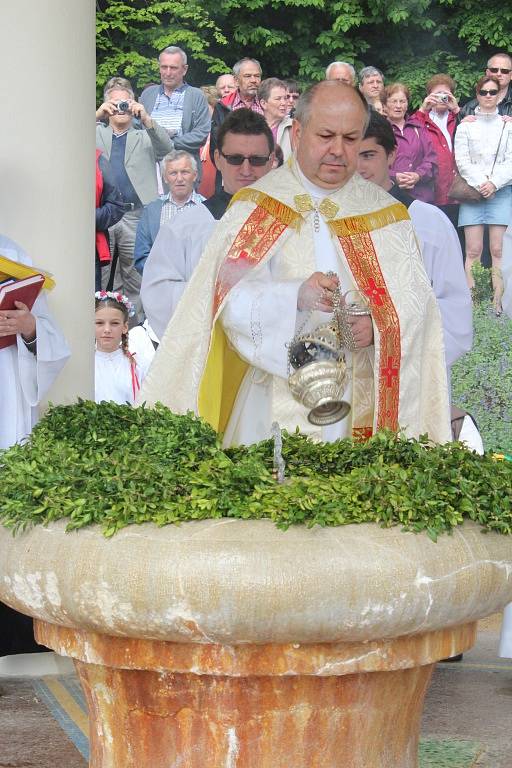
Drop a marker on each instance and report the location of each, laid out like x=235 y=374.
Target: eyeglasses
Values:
x=490 y=92
x=255 y=160
x=495 y=70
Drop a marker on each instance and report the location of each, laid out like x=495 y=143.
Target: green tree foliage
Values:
x=408 y=39
x=131 y=33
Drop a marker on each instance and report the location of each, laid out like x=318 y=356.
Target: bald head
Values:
x=330 y=121
x=225 y=85
x=329 y=90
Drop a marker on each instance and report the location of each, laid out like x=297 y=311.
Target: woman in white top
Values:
x=483 y=153
x=118 y=375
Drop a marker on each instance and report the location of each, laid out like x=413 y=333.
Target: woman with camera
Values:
x=437 y=115
x=483 y=153
x=414 y=167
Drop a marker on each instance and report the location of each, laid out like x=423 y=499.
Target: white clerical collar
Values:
x=314 y=191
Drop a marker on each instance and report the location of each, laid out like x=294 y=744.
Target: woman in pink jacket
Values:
x=415 y=163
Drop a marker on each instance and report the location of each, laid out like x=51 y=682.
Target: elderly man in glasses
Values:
x=244 y=154
x=499 y=66
x=274 y=266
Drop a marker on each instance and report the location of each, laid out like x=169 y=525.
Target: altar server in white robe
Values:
x=181 y=241
x=438 y=240
x=28 y=368
x=264 y=270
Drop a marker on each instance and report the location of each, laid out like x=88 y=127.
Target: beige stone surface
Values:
x=235 y=582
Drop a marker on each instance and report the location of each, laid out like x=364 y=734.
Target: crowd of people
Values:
x=176 y=180
x=228 y=216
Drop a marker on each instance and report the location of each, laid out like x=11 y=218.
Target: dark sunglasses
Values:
x=495 y=70
x=490 y=92
x=255 y=160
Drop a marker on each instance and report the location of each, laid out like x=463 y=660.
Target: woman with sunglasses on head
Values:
x=483 y=153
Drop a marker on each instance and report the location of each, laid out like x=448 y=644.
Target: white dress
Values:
x=113 y=378
x=26 y=377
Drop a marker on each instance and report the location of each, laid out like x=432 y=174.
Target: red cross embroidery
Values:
x=375 y=292
x=389 y=372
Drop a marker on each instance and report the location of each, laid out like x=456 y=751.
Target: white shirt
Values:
x=442 y=257
x=442 y=123
x=171 y=262
x=113 y=380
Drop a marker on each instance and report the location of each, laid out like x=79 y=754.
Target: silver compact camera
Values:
x=442 y=97
x=122 y=107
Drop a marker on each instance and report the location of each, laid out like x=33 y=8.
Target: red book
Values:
x=26 y=290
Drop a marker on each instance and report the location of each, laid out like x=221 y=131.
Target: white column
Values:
x=47 y=170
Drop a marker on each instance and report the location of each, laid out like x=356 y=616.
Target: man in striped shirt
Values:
x=247 y=74
x=175 y=105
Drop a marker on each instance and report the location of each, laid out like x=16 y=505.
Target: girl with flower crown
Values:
x=118 y=375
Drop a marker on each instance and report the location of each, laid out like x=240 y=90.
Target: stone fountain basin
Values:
x=235 y=582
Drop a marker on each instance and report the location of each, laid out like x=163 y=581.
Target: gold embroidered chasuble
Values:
x=400 y=382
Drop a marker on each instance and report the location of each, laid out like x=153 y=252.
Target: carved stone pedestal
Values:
x=232 y=644
x=155 y=704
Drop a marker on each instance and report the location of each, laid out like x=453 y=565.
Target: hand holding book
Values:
x=16 y=299
x=18 y=320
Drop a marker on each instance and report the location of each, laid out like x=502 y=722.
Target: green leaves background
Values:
x=407 y=39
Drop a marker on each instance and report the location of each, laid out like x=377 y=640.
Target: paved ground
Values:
x=472 y=700
x=468 y=705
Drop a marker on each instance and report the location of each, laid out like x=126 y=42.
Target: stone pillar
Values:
x=47 y=162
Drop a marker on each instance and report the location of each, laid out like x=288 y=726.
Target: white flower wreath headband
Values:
x=119 y=297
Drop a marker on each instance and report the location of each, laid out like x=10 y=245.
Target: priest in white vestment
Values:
x=29 y=367
x=264 y=272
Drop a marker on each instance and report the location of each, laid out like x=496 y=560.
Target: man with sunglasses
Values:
x=244 y=154
x=499 y=66
x=273 y=268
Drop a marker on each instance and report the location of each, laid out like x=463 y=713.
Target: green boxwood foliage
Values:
x=115 y=465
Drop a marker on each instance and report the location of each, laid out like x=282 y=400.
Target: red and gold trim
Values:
x=257 y=235
x=279 y=210
x=224 y=368
x=356 y=242
x=361 y=434
x=367 y=222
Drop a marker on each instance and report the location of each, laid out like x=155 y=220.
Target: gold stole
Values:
x=225 y=369
x=354 y=237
